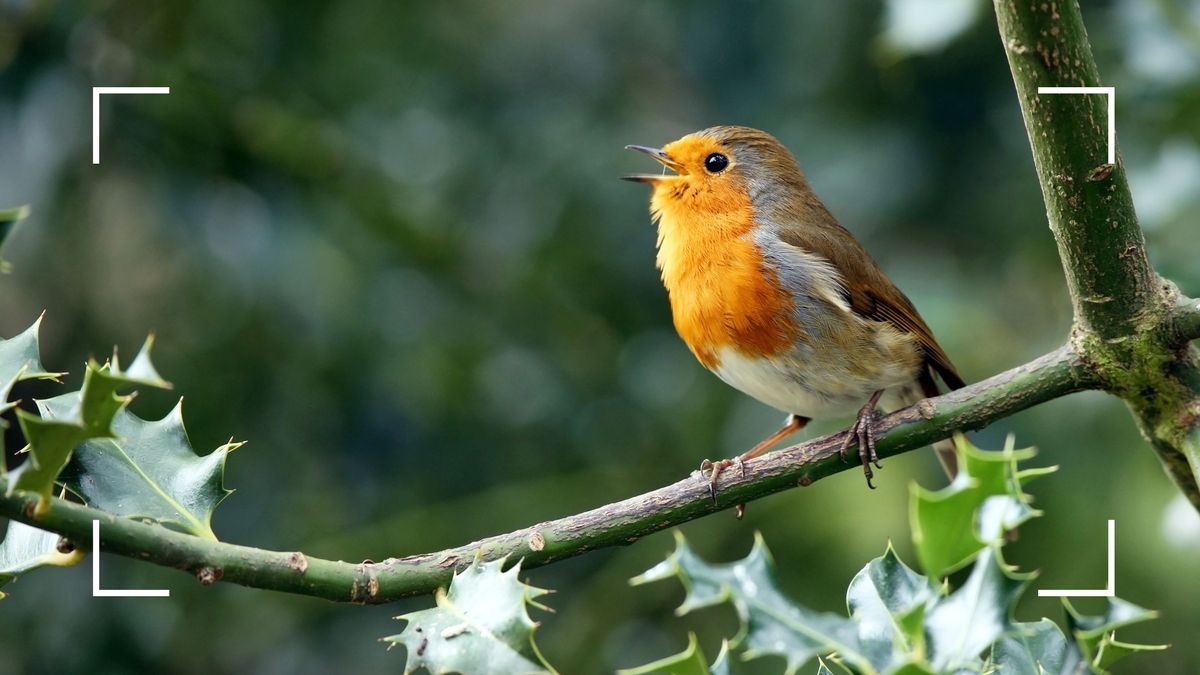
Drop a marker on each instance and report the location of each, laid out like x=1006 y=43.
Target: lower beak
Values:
x=642 y=178
x=662 y=157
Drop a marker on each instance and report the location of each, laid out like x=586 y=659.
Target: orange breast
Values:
x=721 y=293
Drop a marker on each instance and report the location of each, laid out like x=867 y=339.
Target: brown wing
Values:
x=869 y=292
x=899 y=311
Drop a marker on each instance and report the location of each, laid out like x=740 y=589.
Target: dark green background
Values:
x=384 y=242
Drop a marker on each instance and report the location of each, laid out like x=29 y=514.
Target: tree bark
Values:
x=1126 y=316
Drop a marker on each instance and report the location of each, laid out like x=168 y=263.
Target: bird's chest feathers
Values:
x=722 y=295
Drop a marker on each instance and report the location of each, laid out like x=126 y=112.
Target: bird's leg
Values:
x=793 y=424
x=863 y=431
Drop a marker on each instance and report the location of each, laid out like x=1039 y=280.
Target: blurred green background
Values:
x=385 y=243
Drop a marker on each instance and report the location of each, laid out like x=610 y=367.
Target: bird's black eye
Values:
x=716 y=162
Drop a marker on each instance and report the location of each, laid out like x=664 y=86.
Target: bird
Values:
x=775 y=297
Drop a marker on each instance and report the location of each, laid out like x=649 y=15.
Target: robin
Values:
x=780 y=301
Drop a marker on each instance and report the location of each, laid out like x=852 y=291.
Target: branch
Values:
x=1184 y=323
x=1087 y=200
x=1056 y=374
x=1128 y=325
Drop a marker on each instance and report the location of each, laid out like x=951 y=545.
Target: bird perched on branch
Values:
x=779 y=300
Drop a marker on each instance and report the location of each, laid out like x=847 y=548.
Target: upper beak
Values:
x=657 y=154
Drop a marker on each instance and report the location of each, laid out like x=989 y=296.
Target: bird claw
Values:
x=862 y=432
x=712 y=470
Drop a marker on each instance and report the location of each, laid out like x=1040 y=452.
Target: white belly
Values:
x=800 y=388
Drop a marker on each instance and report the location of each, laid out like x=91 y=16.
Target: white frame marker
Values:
x=98 y=592
x=1111 y=93
x=96 y=93
x=1106 y=592
x=1111 y=589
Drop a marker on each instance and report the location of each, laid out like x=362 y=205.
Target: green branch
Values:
x=1054 y=375
x=1087 y=200
x=1129 y=323
x=1184 y=323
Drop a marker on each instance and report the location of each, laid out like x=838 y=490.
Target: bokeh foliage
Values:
x=384 y=243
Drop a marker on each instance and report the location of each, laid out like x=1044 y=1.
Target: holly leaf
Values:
x=481 y=625
x=90 y=414
x=726 y=663
x=887 y=602
x=1092 y=646
x=690 y=661
x=26 y=548
x=905 y=623
x=1109 y=651
x=1038 y=647
x=146 y=469
x=142 y=468
x=771 y=624
x=1095 y=636
x=965 y=623
x=900 y=623
x=8 y=220
x=950 y=526
x=20 y=359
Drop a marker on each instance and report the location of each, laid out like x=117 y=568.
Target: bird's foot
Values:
x=711 y=470
x=862 y=432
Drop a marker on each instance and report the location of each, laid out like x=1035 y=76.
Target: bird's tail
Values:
x=947 y=457
x=944 y=448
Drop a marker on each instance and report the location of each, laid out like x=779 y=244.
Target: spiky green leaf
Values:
x=887 y=602
x=147 y=469
x=1038 y=647
x=690 y=661
x=727 y=662
x=1095 y=635
x=770 y=623
x=1110 y=650
x=20 y=359
x=904 y=623
x=481 y=625
x=26 y=548
x=89 y=415
x=950 y=526
x=965 y=623
x=49 y=445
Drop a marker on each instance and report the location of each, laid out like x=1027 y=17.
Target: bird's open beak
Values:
x=662 y=157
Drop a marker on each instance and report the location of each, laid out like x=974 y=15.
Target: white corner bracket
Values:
x=98 y=592
x=1111 y=93
x=1106 y=592
x=96 y=93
